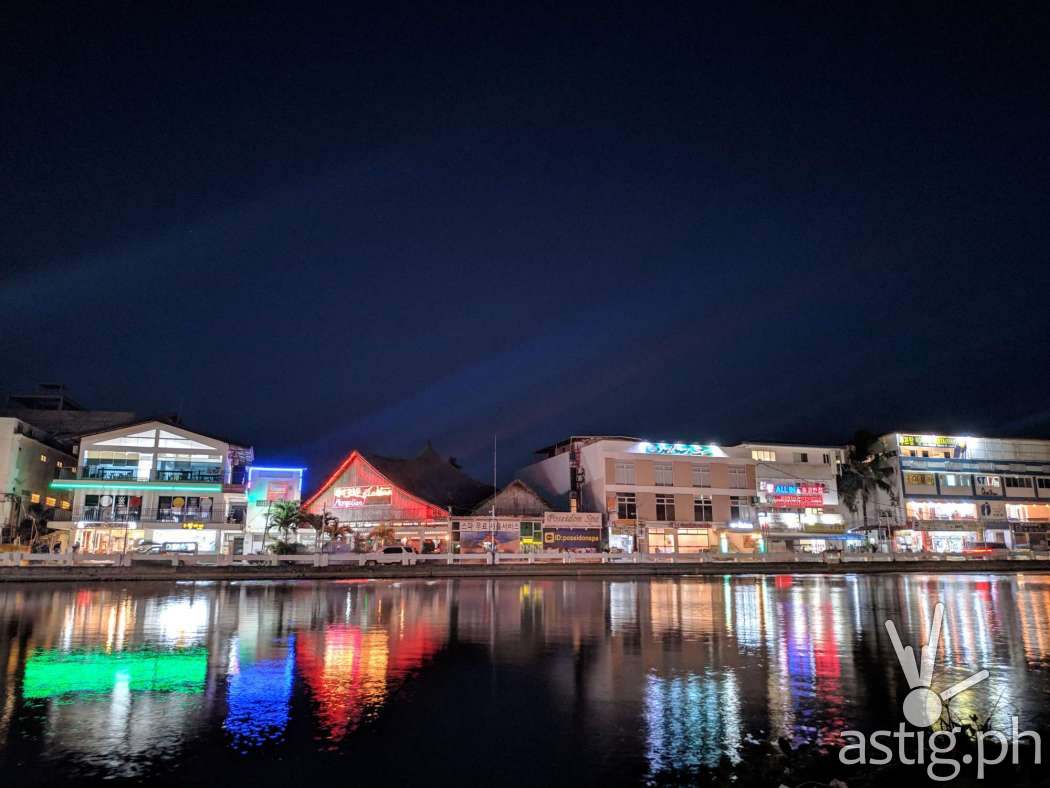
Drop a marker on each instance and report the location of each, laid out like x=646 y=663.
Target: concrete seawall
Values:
x=80 y=574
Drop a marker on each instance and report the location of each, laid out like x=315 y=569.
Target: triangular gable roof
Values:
x=427 y=478
x=485 y=506
x=162 y=422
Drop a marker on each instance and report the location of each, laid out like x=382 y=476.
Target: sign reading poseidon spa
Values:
x=572 y=530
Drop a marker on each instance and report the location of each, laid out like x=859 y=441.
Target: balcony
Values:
x=107 y=514
x=133 y=475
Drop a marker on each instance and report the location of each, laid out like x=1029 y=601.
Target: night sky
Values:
x=364 y=227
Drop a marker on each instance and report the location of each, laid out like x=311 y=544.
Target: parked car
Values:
x=398 y=550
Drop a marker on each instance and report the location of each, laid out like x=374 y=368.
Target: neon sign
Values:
x=933 y=441
x=371 y=495
x=683 y=449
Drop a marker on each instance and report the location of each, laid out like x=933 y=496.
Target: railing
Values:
x=379 y=559
x=104 y=514
x=133 y=475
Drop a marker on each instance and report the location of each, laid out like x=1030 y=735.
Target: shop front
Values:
x=1035 y=536
x=128 y=537
x=940 y=537
x=574 y=532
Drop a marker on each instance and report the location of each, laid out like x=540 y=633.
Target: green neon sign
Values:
x=50 y=673
x=60 y=484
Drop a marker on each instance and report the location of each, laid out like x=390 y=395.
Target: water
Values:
x=518 y=682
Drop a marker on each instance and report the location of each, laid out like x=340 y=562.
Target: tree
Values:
x=286 y=517
x=383 y=534
x=326 y=524
x=866 y=472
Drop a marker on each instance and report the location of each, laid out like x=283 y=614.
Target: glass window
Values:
x=625 y=473
x=763 y=455
x=664 y=474
x=1018 y=482
x=665 y=508
x=703 y=510
x=737 y=477
x=827 y=459
x=802 y=457
x=701 y=475
x=737 y=508
x=626 y=506
x=1043 y=483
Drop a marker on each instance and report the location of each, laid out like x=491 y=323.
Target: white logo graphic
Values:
x=923 y=706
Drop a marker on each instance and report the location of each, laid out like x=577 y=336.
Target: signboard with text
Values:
x=572 y=519
x=368 y=495
x=572 y=538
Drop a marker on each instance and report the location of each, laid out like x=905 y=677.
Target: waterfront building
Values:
x=29 y=460
x=798 y=506
x=415 y=498
x=653 y=496
x=156 y=482
x=951 y=491
x=519 y=520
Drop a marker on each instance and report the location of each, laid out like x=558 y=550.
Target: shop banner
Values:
x=572 y=519
x=572 y=538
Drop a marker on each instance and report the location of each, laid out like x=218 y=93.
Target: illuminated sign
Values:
x=352 y=497
x=573 y=519
x=682 y=449
x=740 y=525
x=487 y=525
x=79 y=485
x=934 y=441
x=193 y=526
x=795 y=495
x=571 y=538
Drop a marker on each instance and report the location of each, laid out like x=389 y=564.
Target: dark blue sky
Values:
x=320 y=229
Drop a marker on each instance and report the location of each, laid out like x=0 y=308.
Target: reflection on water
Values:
x=620 y=681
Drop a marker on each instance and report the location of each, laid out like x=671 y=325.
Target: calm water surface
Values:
x=522 y=682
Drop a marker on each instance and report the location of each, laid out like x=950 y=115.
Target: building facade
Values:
x=654 y=497
x=798 y=506
x=411 y=500
x=29 y=462
x=155 y=483
x=952 y=491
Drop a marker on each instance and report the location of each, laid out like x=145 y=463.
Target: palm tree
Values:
x=866 y=472
x=285 y=517
x=326 y=524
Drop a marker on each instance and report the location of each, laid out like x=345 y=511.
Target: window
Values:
x=50 y=501
x=626 y=506
x=65 y=504
x=1018 y=481
x=703 y=511
x=737 y=477
x=59 y=464
x=625 y=473
x=664 y=474
x=1042 y=483
x=737 y=508
x=665 y=508
x=34 y=498
x=763 y=455
x=802 y=456
x=827 y=459
x=701 y=475
x=956 y=480
x=43 y=458
x=988 y=485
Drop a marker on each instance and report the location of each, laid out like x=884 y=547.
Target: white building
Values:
x=155 y=482
x=29 y=462
x=952 y=491
x=798 y=502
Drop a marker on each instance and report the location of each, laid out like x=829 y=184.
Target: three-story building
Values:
x=655 y=497
x=951 y=491
x=153 y=482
